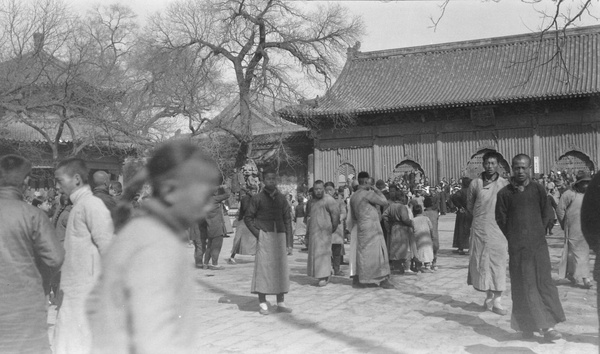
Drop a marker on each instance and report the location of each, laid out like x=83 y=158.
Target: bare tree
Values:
x=59 y=72
x=262 y=41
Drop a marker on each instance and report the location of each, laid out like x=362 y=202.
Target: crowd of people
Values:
x=116 y=259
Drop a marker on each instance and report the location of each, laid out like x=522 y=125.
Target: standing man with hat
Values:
x=574 y=264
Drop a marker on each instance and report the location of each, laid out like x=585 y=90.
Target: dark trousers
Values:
x=207 y=249
x=263 y=297
x=336 y=257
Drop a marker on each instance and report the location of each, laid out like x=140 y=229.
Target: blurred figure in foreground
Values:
x=27 y=235
x=141 y=303
x=590 y=225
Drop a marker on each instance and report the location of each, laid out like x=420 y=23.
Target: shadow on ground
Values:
x=589 y=338
x=447 y=300
x=249 y=303
x=244 y=303
x=486 y=349
x=478 y=325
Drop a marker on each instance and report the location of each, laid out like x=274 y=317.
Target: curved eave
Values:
x=440 y=105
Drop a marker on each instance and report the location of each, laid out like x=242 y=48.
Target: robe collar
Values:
x=80 y=193
x=10 y=192
x=157 y=209
x=518 y=188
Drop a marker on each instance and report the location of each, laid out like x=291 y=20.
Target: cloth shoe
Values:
x=386 y=284
x=499 y=311
x=283 y=309
x=231 y=261
x=263 y=311
x=215 y=267
x=552 y=335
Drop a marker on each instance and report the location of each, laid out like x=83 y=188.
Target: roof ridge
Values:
x=473 y=43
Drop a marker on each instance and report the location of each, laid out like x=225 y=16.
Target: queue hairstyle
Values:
x=164 y=164
x=75 y=166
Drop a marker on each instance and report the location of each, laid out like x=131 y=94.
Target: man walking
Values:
x=212 y=230
x=372 y=263
x=89 y=233
x=323 y=220
x=521 y=214
x=269 y=219
x=489 y=254
x=27 y=236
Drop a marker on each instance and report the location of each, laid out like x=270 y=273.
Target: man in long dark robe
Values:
x=269 y=219
x=323 y=220
x=590 y=226
x=522 y=212
x=462 y=225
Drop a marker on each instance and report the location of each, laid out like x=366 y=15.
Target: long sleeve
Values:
x=250 y=216
x=334 y=212
x=287 y=220
x=563 y=205
x=547 y=212
x=472 y=195
x=502 y=213
x=99 y=222
x=46 y=245
x=590 y=214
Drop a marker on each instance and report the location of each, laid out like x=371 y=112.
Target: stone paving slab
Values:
x=426 y=313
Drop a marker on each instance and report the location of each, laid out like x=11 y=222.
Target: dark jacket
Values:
x=102 y=193
x=270 y=213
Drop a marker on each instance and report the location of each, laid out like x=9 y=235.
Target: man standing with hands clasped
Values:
x=269 y=219
x=522 y=213
x=323 y=220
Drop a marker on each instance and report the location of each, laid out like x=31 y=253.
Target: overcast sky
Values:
x=401 y=23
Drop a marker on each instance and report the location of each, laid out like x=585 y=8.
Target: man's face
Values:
x=65 y=183
x=521 y=169
x=490 y=166
x=270 y=181
x=330 y=190
x=318 y=190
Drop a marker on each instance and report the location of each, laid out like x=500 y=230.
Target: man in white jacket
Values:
x=89 y=233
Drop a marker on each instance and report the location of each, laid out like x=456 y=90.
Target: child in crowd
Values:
x=423 y=233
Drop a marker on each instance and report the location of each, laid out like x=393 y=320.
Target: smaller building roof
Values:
x=489 y=71
x=265 y=119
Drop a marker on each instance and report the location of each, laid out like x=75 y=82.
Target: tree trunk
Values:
x=245 y=149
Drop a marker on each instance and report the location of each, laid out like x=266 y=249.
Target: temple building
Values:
x=439 y=108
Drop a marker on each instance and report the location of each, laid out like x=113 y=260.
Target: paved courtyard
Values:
x=427 y=313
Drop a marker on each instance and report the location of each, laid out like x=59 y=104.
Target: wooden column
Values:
x=440 y=165
x=537 y=168
x=376 y=161
x=318 y=164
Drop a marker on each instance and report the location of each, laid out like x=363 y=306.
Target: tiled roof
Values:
x=489 y=71
x=14 y=130
x=265 y=120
